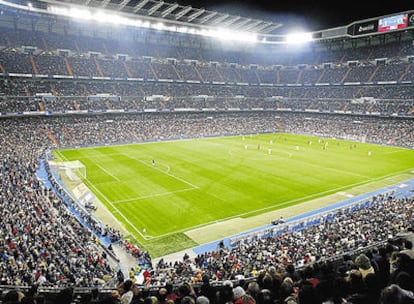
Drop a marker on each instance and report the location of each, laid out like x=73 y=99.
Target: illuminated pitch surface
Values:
x=159 y=190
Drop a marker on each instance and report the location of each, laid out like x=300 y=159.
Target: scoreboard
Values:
x=374 y=26
x=395 y=22
x=382 y=24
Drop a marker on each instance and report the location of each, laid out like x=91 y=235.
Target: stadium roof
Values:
x=159 y=15
x=174 y=13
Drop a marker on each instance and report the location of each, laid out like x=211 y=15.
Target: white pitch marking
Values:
x=152 y=195
x=117 y=211
x=107 y=172
x=165 y=172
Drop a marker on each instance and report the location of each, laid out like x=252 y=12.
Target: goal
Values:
x=74 y=170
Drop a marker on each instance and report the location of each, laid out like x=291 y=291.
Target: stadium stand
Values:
x=76 y=91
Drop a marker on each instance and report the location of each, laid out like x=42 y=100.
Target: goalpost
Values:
x=72 y=174
x=74 y=170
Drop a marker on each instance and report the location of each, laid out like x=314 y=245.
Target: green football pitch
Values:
x=159 y=191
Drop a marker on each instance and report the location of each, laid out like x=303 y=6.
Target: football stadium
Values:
x=161 y=153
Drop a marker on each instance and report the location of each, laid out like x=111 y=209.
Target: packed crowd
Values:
x=390 y=100
x=47 y=240
x=158 y=44
x=292 y=268
x=163 y=69
x=46 y=244
x=41 y=241
x=86 y=130
x=169 y=82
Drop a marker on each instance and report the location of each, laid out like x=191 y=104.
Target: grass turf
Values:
x=196 y=182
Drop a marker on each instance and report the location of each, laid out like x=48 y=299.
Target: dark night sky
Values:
x=313 y=14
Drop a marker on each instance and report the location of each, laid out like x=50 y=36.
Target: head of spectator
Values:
x=141 y=293
x=267 y=281
x=372 y=283
x=187 y=300
x=205 y=278
x=225 y=294
x=184 y=290
x=228 y=283
x=355 y=281
x=265 y=296
x=151 y=300
x=307 y=294
x=253 y=289
x=115 y=295
x=364 y=265
x=287 y=292
x=171 y=294
x=202 y=300
x=246 y=299
x=126 y=286
x=272 y=270
x=162 y=294
x=408 y=245
x=240 y=296
x=405 y=281
x=393 y=294
x=238 y=292
x=291 y=272
x=324 y=290
x=404 y=263
x=337 y=290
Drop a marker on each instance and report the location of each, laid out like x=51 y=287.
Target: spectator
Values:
x=393 y=294
x=364 y=265
x=126 y=292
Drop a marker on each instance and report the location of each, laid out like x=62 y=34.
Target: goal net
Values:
x=73 y=170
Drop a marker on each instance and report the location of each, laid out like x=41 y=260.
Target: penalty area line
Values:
x=107 y=172
x=117 y=210
x=152 y=195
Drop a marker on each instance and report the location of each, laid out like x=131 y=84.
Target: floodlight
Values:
x=224 y=34
x=80 y=13
x=298 y=38
x=158 y=26
x=182 y=29
x=102 y=17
